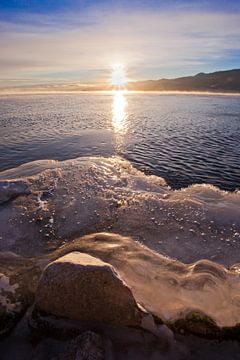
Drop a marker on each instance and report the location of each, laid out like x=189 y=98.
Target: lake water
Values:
x=183 y=138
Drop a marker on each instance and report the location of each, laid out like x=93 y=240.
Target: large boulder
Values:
x=80 y=287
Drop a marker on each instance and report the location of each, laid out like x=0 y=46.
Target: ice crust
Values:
x=181 y=230
x=60 y=199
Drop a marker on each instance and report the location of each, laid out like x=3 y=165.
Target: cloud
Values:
x=85 y=44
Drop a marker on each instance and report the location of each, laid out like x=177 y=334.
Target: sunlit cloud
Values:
x=82 y=47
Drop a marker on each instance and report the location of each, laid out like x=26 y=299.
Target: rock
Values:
x=18 y=281
x=11 y=304
x=199 y=324
x=87 y=346
x=80 y=287
x=10 y=190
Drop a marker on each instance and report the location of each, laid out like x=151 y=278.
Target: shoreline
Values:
x=53 y=209
x=126 y=92
x=198 y=207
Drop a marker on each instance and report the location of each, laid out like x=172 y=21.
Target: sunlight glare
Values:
x=119 y=111
x=119 y=77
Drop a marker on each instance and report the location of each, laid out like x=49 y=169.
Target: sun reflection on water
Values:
x=119 y=112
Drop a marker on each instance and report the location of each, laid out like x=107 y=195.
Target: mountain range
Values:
x=227 y=81
x=220 y=81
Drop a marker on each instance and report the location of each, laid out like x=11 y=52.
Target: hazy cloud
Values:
x=83 y=46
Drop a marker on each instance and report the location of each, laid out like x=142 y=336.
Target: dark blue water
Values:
x=184 y=138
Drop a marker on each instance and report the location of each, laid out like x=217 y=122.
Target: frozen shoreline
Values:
x=164 y=235
x=57 y=200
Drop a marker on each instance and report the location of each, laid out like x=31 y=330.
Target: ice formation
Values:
x=54 y=202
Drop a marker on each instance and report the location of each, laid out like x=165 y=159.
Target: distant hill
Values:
x=220 y=81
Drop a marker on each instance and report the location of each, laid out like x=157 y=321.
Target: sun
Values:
x=119 y=76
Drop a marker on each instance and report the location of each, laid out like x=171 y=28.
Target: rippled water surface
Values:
x=184 y=138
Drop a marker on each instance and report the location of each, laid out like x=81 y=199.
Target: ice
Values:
x=166 y=287
x=182 y=231
x=74 y=197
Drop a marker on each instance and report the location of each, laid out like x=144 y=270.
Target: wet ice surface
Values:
x=45 y=204
x=57 y=200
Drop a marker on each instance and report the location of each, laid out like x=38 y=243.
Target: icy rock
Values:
x=87 y=346
x=18 y=281
x=10 y=190
x=80 y=287
x=12 y=303
x=198 y=323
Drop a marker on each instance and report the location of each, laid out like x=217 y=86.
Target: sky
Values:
x=78 y=41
